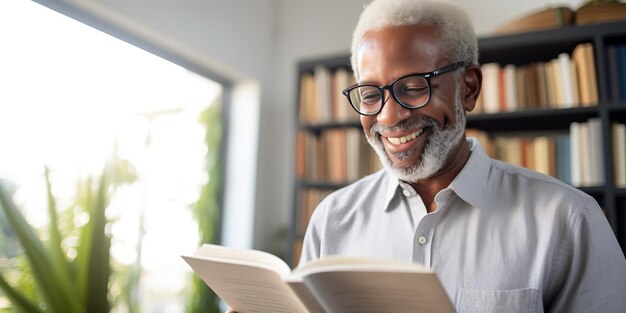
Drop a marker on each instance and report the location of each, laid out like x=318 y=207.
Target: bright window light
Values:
x=68 y=95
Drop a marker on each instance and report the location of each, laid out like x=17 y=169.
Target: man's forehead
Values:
x=411 y=48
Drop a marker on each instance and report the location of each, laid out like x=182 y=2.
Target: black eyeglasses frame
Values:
x=381 y=89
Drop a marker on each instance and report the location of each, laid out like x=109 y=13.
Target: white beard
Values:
x=437 y=149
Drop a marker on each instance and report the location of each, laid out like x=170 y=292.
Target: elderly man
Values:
x=501 y=238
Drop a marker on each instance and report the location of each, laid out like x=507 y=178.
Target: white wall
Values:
x=262 y=40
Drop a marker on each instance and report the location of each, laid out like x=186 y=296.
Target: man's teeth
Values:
x=403 y=139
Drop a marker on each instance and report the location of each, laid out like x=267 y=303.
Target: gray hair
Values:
x=454 y=25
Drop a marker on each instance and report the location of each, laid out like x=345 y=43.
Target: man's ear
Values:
x=472 y=83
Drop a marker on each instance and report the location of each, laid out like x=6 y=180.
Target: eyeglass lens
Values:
x=412 y=91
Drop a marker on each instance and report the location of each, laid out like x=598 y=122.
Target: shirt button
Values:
x=406 y=193
x=422 y=240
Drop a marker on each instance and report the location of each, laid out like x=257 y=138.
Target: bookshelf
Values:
x=518 y=50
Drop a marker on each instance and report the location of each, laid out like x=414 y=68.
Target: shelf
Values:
x=539 y=45
x=332 y=63
x=617 y=107
x=593 y=191
x=620 y=192
x=320 y=185
x=540 y=119
x=317 y=127
x=520 y=50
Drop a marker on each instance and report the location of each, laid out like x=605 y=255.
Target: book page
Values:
x=246 y=288
x=305 y=295
x=338 y=263
x=366 y=291
x=243 y=256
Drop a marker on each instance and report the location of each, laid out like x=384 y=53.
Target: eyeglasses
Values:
x=410 y=91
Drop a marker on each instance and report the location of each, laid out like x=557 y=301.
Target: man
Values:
x=501 y=238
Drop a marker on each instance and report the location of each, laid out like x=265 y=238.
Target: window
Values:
x=71 y=97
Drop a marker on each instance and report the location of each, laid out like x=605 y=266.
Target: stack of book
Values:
x=600 y=11
x=564 y=82
x=337 y=155
x=587 y=155
x=321 y=99
x=575 y=158
x=563 y=16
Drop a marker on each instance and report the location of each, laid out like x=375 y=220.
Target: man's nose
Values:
x=392 y=112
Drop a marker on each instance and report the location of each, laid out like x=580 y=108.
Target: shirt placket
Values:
x=422 y=240
x=425 y=232
x=421 y=234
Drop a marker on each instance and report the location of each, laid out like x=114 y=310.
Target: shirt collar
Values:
x=392 y=185
x=469 y=184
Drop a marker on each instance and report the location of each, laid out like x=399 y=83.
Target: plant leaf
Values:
x=100 y=243
x=45 y=277
x=17 y=298
x=58 y=262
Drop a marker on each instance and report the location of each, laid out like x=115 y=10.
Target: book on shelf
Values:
x=541 y=84
x=583 y=57
x=321 y=100
x=567 y=78
x=523 y=90
x=336 y=155
x=596 y=157
x=563 y=159
x=600 y=12
x=587 y=153
x=564 y=82
x=336 y=159
x=256 y=281
x=322 y=79
x=529 y=158
x=576 y=158
x=491 y=87
x=544 y=155
x=539 y=20
x=576 y=154
x=301 y=155
x=308 y=112
x=549 y=154
x=342 y=111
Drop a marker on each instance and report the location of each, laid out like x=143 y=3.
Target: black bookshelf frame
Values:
x=519 y=49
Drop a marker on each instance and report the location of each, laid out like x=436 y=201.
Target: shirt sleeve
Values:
x=595 y=278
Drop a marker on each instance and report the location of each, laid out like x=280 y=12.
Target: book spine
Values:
x=563 y=158
x=619 y=154
x=575 y=152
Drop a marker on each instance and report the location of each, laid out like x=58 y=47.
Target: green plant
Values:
x=70 y=276
x=206 y=210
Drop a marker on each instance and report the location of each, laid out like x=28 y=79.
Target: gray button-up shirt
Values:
x=503 y=238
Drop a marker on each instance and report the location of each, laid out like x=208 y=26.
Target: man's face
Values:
x=419 y=143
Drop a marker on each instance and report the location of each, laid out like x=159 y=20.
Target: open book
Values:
x=255 y=281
